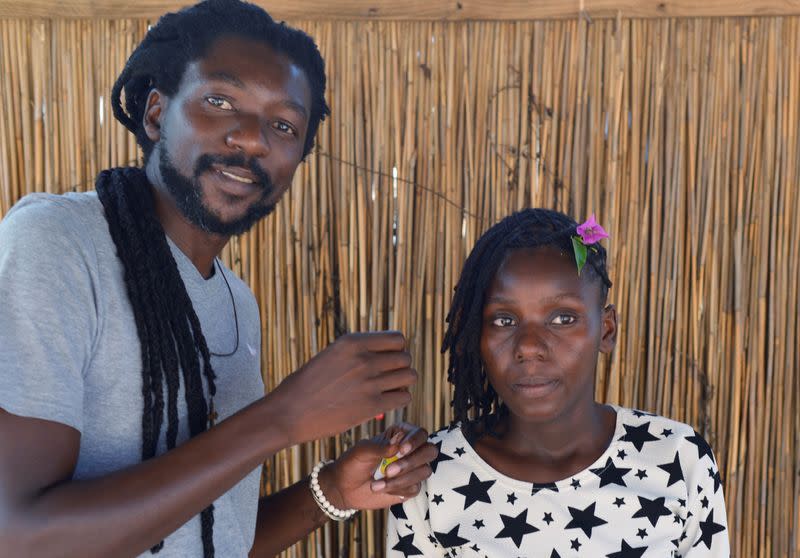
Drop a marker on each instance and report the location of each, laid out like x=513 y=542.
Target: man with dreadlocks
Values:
x=132 y=414
x=532 y=465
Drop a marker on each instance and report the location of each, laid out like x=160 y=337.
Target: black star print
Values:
x=475 y=547
x=511 y=498
x=699 y=489
x=478 y=523
x=460 y=452
x=681 y=501
x=704 y=502
x=702 y=446
x=437 y=499
x=440 y=457
x=611 y=474
x=555 y=554
x=406 y=546
x=627 y=551
x=641 y=533
x=575 y=544
x=621 y=454
x=641 y=473
x=475 y=491
x=717 y=480
x=667 y=432
x=640 y=414
x=575 y=484
x=409 y=527
x=548 y=518
x=638 y=435
x=584 y=520
x=398 y=511
x=708 y=529
x=515 y=528
x=652 y=509
x=451 y=538
x=676 y=542
x=433 y=540
x=619 y=502
x=678 y=519
x=537 y=486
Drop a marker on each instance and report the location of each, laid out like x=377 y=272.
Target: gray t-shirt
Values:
x=70 y=353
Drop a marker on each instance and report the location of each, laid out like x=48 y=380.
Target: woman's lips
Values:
x=536 y=388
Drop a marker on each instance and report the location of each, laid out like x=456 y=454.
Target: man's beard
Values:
x=188 y=193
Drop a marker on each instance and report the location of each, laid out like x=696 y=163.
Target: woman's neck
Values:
x=549 y=451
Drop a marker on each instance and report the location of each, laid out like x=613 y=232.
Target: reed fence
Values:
x=681 y=135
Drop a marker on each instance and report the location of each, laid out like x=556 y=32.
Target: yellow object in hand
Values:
x=380 y=472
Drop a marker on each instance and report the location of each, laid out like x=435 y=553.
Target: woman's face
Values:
x=543 y=327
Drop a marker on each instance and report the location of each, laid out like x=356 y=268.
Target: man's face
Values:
x=229 y=140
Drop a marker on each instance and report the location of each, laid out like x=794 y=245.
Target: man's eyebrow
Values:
x=296 y=107
x=226 y=77
x=220 y=75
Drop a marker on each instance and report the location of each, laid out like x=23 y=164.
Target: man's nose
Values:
x=249 y=137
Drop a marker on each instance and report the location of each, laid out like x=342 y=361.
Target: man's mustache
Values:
x=207 y=161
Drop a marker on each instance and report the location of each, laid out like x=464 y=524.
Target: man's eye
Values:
x=285 y=128
x=503 y=321
x=564 y=319
x=219 y=103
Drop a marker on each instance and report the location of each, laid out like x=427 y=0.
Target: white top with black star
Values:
x=655 y=492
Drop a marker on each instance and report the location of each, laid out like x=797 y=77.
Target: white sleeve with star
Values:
x=408 y=531
x=705 y=533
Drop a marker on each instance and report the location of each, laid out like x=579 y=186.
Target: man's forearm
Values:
x=125 y=513
x=285 y=518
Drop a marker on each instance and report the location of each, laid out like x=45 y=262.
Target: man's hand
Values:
x=357 y=377
x=348 y=483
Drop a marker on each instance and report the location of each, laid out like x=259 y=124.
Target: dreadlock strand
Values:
x=149 y=266
x=108 y=187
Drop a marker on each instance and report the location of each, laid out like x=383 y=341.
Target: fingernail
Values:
x=392 y=470
x=378 y=486
x=404 y=449
x=397 y=437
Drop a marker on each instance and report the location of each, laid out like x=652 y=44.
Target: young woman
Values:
x=532 y=464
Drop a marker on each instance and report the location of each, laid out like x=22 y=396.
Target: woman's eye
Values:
x=564 y=319
x=219 y=102
x=503 y=321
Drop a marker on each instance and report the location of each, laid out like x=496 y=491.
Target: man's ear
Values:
x=151 y=121
x=608 y=339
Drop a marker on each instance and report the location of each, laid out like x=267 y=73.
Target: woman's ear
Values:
x=608 y=339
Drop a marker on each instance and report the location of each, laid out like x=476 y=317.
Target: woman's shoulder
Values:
x=642 y=428
x=447 y=434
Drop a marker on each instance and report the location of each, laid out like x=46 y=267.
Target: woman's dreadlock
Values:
x=475 y=402
x=169 y=331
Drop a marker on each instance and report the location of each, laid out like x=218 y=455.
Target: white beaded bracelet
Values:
x=327 y=508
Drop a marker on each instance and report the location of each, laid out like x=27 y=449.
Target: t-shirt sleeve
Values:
x=705 y=533
x=48 y=315
x=408 y=531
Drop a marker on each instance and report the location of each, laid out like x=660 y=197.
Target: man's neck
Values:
x=199 y=246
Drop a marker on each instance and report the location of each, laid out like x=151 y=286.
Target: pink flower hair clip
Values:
x=589 y=233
